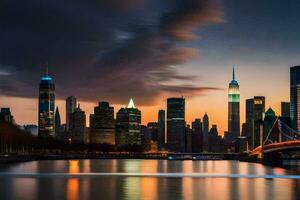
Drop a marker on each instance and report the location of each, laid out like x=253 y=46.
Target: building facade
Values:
x=295 y=97
x=46 y=108
x=102 y=124
x=176 y=124
x=285 y=109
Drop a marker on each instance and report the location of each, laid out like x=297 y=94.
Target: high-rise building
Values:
x=233 y=109
x=78 y=128
x=255 y=109
x=295 y=97
x=46 y=107
x=153 y=129
x=102 y=124
x=285 y=109
x=71 y=104
x=161 y=129
x=128 y=126
x=205 y=133
x=57 y=122
x=197 y=139
x=176 y=124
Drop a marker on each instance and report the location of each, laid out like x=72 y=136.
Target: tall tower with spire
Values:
x=233 y=109
x=46 y=106
x=128 y=126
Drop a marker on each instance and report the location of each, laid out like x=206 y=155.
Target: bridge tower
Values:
x=261 y=138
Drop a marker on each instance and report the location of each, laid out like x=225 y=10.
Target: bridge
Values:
x=281 y=141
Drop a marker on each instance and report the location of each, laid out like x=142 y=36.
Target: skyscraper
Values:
x=233 y=109
x=205 y=132
x=78 y=128
x=102 y=124
x=285 y=109
x=71 y=104
x=176 y=124
x=255 y=109
x=128 y=126
x=197 y=139
x=153 y=129
x=295 y=97
x=161 y=129
x=46 y=106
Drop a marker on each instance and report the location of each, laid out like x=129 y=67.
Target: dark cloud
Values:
x=101 y=49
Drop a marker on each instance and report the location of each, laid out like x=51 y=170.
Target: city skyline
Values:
x=150 y=112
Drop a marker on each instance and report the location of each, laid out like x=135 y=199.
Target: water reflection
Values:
x=113 y=187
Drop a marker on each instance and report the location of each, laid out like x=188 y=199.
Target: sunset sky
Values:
x=149 y=50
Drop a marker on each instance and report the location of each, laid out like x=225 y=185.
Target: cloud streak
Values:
x=102 y=49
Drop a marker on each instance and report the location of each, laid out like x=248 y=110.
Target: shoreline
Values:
x=10 y=159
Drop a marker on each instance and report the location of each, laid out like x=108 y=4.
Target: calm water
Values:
x=147 y=179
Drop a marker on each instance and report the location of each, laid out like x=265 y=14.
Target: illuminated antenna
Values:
x=233 y=73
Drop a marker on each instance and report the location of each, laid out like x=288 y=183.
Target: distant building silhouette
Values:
x=161 y=126
x=285 y=109
x=5 y=115
x=102 y=124
x=176 y=124
x=31 y=128
x=58 y=128
x=46 y=107
x=233 y=109
x=215 y=141
x=295 y=97
x=71 y=104
x=205 y=133
x=128 y=126
x=188 y=139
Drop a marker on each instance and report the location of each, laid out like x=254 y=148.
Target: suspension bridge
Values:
x=281 y=141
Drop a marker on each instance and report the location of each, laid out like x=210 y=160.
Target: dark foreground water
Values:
x=148 y=179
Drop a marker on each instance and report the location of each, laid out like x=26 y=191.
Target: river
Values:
x=148 y=179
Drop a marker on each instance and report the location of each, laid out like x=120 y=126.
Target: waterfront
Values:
x=148 y=179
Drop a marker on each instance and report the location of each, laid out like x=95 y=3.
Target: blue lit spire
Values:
x=46 y=77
